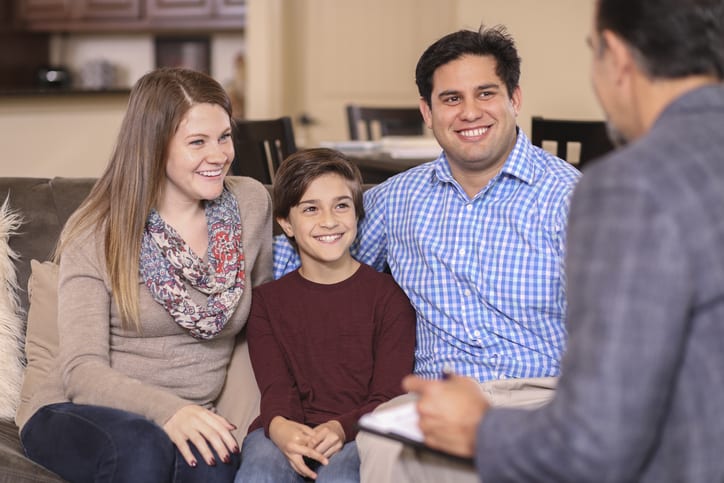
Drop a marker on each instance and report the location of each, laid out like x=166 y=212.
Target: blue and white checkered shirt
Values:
x=485 y=275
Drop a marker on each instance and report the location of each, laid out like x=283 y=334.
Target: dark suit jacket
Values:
x=641 y=393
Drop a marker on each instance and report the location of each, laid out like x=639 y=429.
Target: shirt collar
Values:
x=519 y=164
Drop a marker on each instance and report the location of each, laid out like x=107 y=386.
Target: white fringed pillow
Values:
x=12 y=323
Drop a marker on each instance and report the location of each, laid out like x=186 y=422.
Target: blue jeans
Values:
x=263 y=462
x=84 y=443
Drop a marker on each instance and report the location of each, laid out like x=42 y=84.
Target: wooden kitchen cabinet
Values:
x=203 y=8
x=197 y=14
x=33 y=11
x=231 y=7
x=179 y=8
x=43 y=10
x=105 y=9
x=131 y=15
x=22 y=53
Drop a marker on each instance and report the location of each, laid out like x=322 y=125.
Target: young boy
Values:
x=329 y=341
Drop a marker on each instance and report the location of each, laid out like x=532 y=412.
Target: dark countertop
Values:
x=59 y=91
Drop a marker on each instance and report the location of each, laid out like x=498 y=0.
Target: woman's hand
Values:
x=292 y=439
x=201 y=427
x=328 y=438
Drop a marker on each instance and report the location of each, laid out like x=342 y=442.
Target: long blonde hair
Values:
x=122 y=198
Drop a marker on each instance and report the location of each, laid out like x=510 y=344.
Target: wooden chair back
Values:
x=591 y=135
x=392 y=121
x=260 y=146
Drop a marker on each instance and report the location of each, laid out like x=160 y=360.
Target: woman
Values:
x=155 y=278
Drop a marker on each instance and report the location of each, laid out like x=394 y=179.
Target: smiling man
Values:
x=641 y=392
x=476 y=237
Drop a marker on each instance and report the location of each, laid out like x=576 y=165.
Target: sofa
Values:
x=44 y=205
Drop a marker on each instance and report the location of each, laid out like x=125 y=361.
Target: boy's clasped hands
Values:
x=298 y=441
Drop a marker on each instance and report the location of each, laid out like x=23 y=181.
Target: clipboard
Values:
x=400 y=423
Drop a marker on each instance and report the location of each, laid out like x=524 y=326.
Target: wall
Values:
x=73 y=135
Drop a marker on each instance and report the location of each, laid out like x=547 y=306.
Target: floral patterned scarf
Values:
x=167 y=264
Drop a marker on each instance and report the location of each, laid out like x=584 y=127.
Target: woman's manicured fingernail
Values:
x=236 y=450
x=227 y=459
x=193 y=464
x=212 y=462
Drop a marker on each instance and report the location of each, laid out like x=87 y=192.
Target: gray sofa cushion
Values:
x=45 y=205
x=14 y=466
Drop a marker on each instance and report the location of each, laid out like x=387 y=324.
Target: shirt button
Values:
x=466 y=293
x=468 y=207
x=476 y=333
x=461 y=252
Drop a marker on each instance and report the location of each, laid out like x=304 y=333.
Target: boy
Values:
x=329 y=341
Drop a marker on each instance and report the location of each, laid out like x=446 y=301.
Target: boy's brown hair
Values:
x=298 y=170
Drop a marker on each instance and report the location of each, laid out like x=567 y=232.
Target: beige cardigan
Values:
x=163 y=369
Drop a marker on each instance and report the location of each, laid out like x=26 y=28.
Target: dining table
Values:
x=378 y=161
x=377 y=167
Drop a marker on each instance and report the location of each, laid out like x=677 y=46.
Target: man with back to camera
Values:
x=641 y=392
x=475 y=238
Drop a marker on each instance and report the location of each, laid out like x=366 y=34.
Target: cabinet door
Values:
x=43 y=9
x=230 y=7
x=179 y=8
x=108 y=9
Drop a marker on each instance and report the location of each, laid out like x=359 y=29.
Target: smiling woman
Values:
x=160 y=258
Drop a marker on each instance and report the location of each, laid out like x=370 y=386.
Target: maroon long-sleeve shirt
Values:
x=322 y=352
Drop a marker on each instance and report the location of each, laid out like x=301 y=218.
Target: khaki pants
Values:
x=386 y=461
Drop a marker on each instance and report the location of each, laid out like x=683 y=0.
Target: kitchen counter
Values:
x=60 y=92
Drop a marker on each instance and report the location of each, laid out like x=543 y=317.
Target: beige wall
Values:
x=53 y=136
x=58 y=136
x=73 y=135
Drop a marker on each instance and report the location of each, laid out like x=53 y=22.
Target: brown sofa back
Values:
x=44 y=204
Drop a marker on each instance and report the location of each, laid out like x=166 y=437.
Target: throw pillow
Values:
x=41 y=340
x=11 y=320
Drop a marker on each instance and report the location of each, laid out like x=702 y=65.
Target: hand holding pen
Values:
x=450 y=411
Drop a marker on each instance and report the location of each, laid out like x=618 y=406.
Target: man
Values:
x=641 y=392
x=475 y=238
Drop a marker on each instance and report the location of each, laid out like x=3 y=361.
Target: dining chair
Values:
x=260 y=146
x=392 y=121
x=592 y=136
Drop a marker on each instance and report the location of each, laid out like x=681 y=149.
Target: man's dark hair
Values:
x=671 y=38
x=494 y=41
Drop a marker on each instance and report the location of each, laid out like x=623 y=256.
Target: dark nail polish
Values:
x=193 y=464
x=236 y=450
x=227 y=459
x=212 y=462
